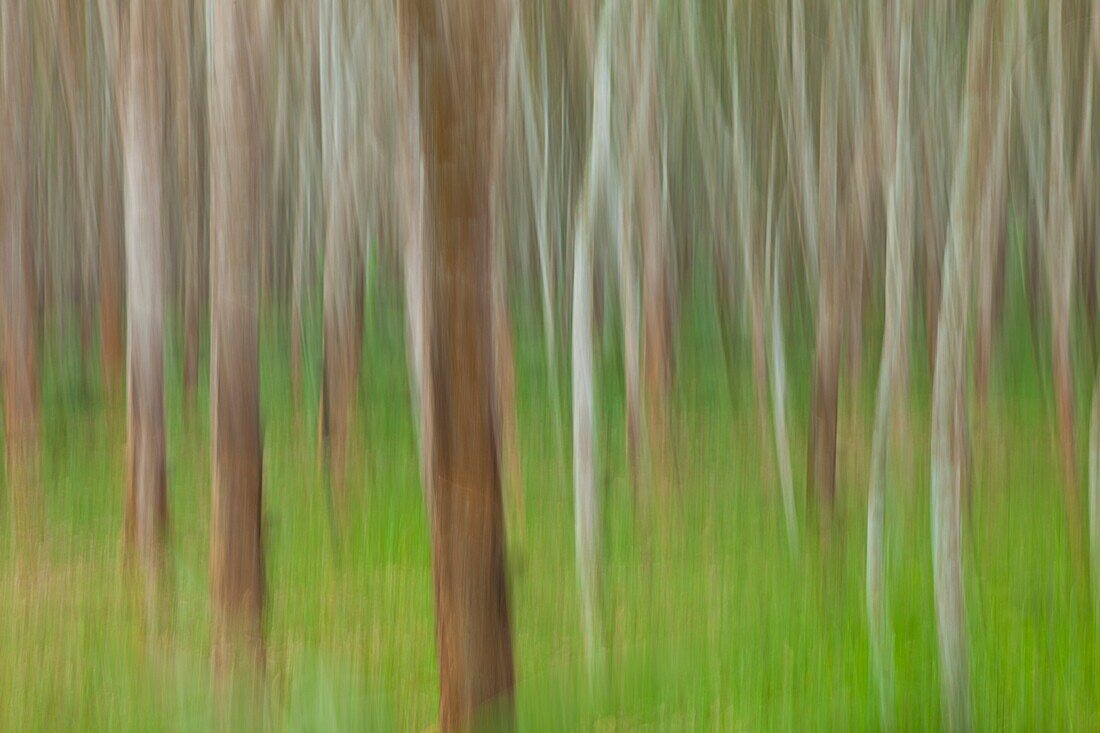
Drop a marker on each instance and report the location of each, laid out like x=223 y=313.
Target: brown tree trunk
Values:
x=142 y=118
x=17 y=275
x=343 y=306
x=237 y=195
x=187 y=126
x=1059 y=245
x=504 y=357
x=460 y=48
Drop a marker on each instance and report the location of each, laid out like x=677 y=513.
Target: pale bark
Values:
x=143 y=122
x=536 y=136
x=794 y=106
x=586 y=504
x=237 y=46
x=969 y=216
x=777 y=360
x=899 y=222
x=416 y=269
x=742 y=167
x=461 y=83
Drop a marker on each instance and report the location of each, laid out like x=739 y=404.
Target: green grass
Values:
x=711 y=623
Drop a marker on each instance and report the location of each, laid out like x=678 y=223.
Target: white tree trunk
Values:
x=898 y=257
x=143 y=120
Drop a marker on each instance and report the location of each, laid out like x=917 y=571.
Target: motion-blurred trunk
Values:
x=237 y=49
x=142 y=117
x=985 y=109
x=1059 y=247
x=896 y=176
x=821 y=466
x=186 y=100
x=657 y=261
x=504 y=368
x=343 y=267
x=458 y=50
x=17 y=286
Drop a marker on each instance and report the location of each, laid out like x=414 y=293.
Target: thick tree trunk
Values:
x=460 y=50
x=143 y=120
x=17 y=275
x=237 y=195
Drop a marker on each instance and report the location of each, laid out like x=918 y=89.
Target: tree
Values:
x=236 y=195
x=343 y=265
x=17 y=287
x=1059 y=248
x=456 y=51
x=143 y=123
x=985 y=108
x=896 y=175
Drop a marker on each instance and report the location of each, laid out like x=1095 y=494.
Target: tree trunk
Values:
x=237 y=196
x=143 y=119
x=899 y=224
x=459 y=50
x=343 y=267
x=970 y=207
x=17 y=287
x=821 y=464
x=1059 y=246
x=186 y=98
x=657 y=256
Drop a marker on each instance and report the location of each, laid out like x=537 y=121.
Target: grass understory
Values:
x=711 y=623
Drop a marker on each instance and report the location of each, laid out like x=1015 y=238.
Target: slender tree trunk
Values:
x=657 y=255
x=898 y=236
x=459 y=51
x=17 y=287
x=821 y=466
x=343 y=268
x=143 y=120
x=537 y=138
x=237 y=196
x=985 y=103
x=504 y=365
x=1059 y=246
x=777 y=361
x=181 y=78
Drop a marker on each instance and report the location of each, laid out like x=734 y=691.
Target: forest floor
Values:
x=711 y=623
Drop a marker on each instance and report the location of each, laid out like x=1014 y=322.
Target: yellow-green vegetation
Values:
x=711 y=624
